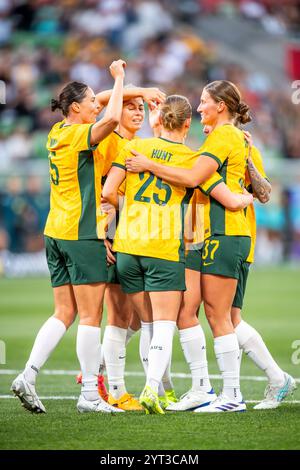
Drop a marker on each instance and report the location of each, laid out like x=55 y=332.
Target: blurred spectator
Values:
x=24 y=214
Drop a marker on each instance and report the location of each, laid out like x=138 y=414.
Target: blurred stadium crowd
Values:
x=44 y=44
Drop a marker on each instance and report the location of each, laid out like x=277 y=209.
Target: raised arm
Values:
x=154 y=119
x=113 y=112
x=113 y=181
x=204 y=167
x=150 y=95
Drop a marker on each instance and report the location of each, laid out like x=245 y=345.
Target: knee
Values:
x=188 y=317
x=121 y=320
x=135 y=322
x=219 y=324
x=236 y=317
x=90 y=318
x=119 y=316
x=65 y=314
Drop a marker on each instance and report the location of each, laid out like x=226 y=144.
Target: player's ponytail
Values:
x=223 y=90
x=74 y=91
x=55 y=105
x=174 y=112
x=243 y=113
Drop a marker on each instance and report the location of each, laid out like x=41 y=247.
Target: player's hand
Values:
x=137 y=163
x=106 y=207
x=248 y=138
x=207 y=130
x=117 y=68
x=249 y=199
x=110 y=258
x=153 y=96
x=154 y=115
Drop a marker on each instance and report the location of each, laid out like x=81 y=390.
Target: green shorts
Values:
x=113 y=277
x=224 y=255
x=241 y=286
x=76 y=261
x=193 y=260
x=142 y=273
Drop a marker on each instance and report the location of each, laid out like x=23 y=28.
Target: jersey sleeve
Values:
x=108 y=149
x=122 y=155
x=81 y=138
x=211 y=183
x=217 y=146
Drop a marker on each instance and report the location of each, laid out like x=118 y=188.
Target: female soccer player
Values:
x=149 y=238
x=76 y=255
x=190 y=332
x=250 y=341
x=227 y=235
x=119 y=308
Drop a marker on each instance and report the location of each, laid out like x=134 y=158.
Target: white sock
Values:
x=166 y=381
x=194 y=349
x=115 y=355
x=129 y=335
x=45 y=342
x=102 y=366
x=88 y=349
x=160 y=351
x=227 y=354
x=166 y=378
x=145 y=340
x=240 y=359
x=253 y=345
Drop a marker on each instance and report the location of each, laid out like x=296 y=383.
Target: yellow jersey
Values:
x=226 y=145
x=250 y=211
x=194 y=234
x=108 y=149
x=75 y=179
x=152 y=219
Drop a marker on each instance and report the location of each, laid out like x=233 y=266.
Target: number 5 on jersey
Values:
x=54 y=173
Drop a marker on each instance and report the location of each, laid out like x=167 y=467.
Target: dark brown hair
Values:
x=174 y=111
x=223 y=90
x=74 y=91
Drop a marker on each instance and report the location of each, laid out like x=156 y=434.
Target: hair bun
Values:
x=243 y=113
x=55 y=105
x=169 y=115
x=242 y=108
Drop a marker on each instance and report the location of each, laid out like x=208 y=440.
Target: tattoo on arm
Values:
x=261 y=187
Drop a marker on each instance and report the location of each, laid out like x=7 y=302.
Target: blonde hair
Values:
x=174 y=112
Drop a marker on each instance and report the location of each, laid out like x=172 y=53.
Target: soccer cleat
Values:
x=27 y=394
x=126 y=402
x=96 y=406
x=193 y=399
x=222 y=404
x=150 y=402
x=275 y=395
x=101 y=385
x=168 y=398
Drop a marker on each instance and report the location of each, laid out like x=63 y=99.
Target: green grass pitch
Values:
x=272 y=306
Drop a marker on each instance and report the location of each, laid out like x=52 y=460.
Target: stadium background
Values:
x=179 y=46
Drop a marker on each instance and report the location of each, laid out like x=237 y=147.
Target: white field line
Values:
x=72 y=397
x=177 y=375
